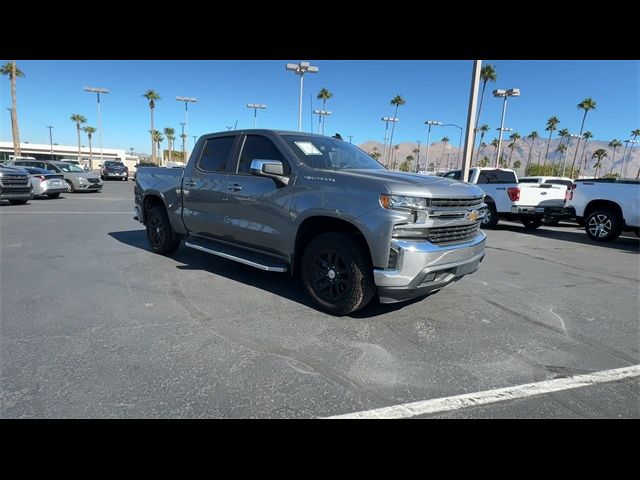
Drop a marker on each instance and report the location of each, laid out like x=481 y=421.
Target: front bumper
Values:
x=89 y=186
x=115 y=175
x=536 y=210
x=25 y=193
x=423 y=267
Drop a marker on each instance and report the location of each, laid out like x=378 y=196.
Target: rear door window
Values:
x=496 y=176
x=215 y=154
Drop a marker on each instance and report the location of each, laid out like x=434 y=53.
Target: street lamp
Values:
x=459 y=141
x=50 y=139
x=256 y=107
x=512 y=92
x=98 y=91
x=322 y=113
x=386 y=128
x=430 y=123
x=187 y=101
x=505 y=129
x=301 y=69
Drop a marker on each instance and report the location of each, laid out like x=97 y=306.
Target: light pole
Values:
x=430 y=123
x=505 y=129
x=418 y=156
x=350 y=137
x=512 y=92
x=386 y=128
x=459 y=141
x=50 y=139
x=187 y=101
x=98 y=91
x=301 y=69
x=256 y=107
x=195 y=140
x=320 y=114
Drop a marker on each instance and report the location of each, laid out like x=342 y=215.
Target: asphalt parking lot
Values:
x=95 y=325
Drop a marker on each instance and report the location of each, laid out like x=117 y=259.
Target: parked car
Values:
x=318 y=207
x=82 y=165
x=113 y=169
x=75 y=177
x=15 y=185
x=606 y=207
x=45 y=182
x=507 y=199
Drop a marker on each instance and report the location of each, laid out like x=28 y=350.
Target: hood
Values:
x=81 y=174
x=412 y=184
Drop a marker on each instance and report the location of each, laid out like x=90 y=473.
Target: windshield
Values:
x=326 y=153
x=69 y=167
x=113 y=164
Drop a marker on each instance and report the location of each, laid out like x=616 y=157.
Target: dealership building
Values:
x=57 y=152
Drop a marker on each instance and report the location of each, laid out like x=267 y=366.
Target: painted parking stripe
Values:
x=48 y=213
x=458 y=402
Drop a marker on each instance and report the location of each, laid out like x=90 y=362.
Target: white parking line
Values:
x=458 y=402
x=31 y=211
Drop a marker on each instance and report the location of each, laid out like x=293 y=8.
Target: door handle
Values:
x=235 y=187
x=189 y=183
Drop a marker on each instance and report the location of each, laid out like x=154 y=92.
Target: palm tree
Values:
x=406 y=165
x=494 y=144
x=170 y=133
x=484 y=162
x=13 y=72
x=375 y=154
x=586 y=105
x=157 y=137
x=560 y=148
x=397 y=101
x=562 y=133
x=324 y=95
x=599 y=154
x=90 y=131
x=487 y=74
x=444 y=141
x=586 y=135
x=484 y=128
x=395 y=153
x=153 y=97
x=183 y=136
x=532 y=136
x=635 y=134
x=517 y=164
x=614 y=144
x=552 y=124
x=416 y=152
x=514 y=137
x=78 y=120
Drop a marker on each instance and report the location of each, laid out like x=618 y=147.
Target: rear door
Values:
x=203 y=187
x=495 y=183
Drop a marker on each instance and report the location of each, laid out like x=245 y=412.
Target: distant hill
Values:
x=521 y=153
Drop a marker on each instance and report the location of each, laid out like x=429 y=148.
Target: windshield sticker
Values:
x=308 y=148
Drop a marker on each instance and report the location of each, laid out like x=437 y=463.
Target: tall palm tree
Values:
x=395 y=154
x=564 y=132
x=635 y=134
x=157 y=137
x=487 y=74
x=614 y=144
x=444 y=141
x=599 y=154
x=153 y=97
x=560 y=148
x=514 y=137
x=90 y=131
x=586 y=105
x=323 y=95
x=494 y=144
x=170 y=133
x=397 y=101
x=13 y=72
x=552 y=124
x=183 y=136
x=586 y=135
x=484 y=128
x=78 y=120
x=375 y=154
x=532 y=136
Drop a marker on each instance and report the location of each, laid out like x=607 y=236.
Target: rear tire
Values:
x=337 y=274
x=53 y=195
x=490 y=220
x=160 y=234
x=70 y=186
x=551 y=221
x=531 y=223
x=603 y=226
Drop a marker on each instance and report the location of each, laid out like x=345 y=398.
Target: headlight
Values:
x=402 y=202
x=82 y=179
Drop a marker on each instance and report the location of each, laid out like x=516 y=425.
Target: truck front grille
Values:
x=457 y=234
x=456 y=202
x=14 y=180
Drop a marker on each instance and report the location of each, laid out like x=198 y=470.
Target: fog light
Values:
x=430 y=277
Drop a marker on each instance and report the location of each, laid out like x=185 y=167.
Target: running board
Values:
x=248 y=258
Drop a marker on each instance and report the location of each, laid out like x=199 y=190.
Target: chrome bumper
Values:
x=423 y=267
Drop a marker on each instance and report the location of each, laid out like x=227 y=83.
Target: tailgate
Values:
x=541 y=195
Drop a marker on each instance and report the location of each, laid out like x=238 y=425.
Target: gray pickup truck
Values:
x=319 y=208
x=15 y=185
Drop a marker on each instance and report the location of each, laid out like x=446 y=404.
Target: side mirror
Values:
x=269 y=168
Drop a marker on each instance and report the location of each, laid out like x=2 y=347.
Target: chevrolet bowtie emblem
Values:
x=472 y=215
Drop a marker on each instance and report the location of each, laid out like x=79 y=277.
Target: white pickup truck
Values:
x=606 y=207
x=507 y=199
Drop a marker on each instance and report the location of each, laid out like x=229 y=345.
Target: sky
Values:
x=52 y=91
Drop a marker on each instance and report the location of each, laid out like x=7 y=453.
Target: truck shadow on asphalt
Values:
x=281 y=284
x=627 y=242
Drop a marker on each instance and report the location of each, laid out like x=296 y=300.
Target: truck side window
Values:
x=259 y=147
x=215 y=154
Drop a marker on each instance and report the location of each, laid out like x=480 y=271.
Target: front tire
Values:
x=603 y=226
x=337 y=274
x=53 y=195
x=531 y=223
x=70 y=186
x=490 y=219
x=160 y=234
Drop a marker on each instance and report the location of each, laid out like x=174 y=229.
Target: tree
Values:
x=397 y=101
x=614 y=144
x=485 y=161
x=444 y=141
x=183 y=154
x=599 y=154
x=78 y=120
x=157 y=140
x=586 y=105
x=484 y=128
x=586 y=135
x=494 y=144
x=560 y=148
x=13 y=72
x=532 y=136
x=170 y=133
x=416 y=152
x=552 y=124
x=395 y=153
x=514 y=137
x=90 y=131
x=562 y=133
x=487 y=74
x=324 y=95
x=375 y=154
x=404 y=166
x=153 y=97
x=517 y=164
